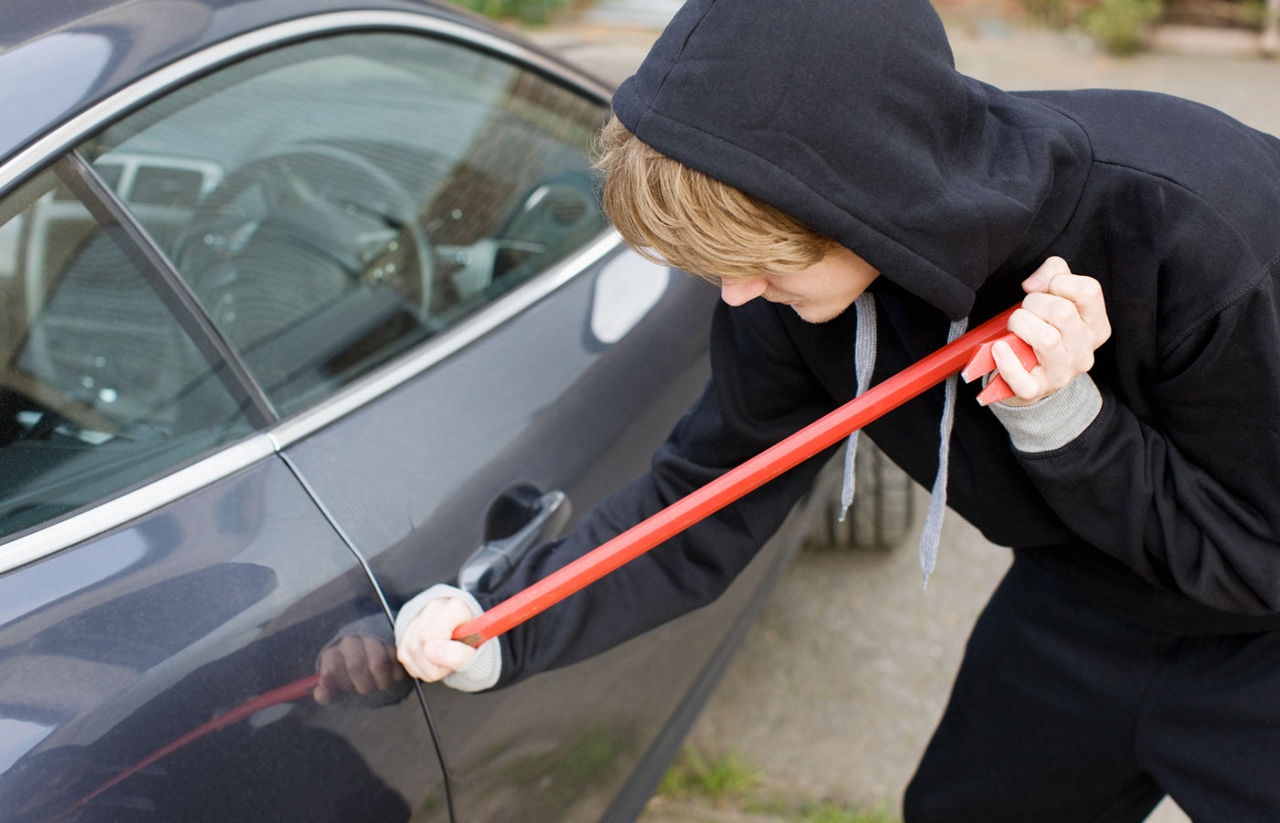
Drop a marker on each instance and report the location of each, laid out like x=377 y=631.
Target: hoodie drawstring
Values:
x=864 y=361
x=931 y=534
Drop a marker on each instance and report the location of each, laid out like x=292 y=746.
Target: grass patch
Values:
x=731 y=781
x=722 y=778
x=547 y=779
x=833 y=813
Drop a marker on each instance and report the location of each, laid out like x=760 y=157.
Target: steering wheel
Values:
x=559 y=210
x=318 y=207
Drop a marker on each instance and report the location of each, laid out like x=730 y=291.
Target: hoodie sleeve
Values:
x=759 y=393
x=1185 y=493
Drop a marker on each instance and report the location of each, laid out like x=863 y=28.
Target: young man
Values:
x=859 y=201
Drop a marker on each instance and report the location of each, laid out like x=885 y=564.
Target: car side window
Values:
x=100 y=386
x=337 y=201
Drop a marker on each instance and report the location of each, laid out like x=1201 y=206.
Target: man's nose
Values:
x=737 y=291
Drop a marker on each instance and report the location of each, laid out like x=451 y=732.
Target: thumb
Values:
x=448 y=654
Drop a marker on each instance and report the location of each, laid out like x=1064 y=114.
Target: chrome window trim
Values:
x=363 y=391
x=118 y=511
x=62 y=138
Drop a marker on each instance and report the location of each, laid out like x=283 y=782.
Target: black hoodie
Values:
x=850 y=116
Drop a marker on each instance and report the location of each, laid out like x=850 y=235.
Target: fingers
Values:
x=330 y=683
x=334 y=678
x=1026 y=387
x=426 y=650
x=356 y=663
x=1055 y=279
x=1085 y=295
x=1041 y=278
x=382 y=665
x=1064 y=319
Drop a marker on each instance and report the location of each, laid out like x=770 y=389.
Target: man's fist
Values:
x=425 y=647
x=1064 y=319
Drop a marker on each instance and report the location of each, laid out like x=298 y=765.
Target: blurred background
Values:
x=826 y=709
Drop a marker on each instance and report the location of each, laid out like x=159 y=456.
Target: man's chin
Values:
x=811 y=314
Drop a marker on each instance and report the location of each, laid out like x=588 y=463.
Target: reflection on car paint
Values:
x=270 y=706
x=627 y=288
x=190 y=668
x=92 y=566
x=71 y=62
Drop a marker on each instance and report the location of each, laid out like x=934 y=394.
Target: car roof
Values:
x=61 y=58
x=166 y=19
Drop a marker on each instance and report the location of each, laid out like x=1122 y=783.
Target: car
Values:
x=304 y=307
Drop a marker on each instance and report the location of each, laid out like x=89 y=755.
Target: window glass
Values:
x=100 y=387
x=339 y=200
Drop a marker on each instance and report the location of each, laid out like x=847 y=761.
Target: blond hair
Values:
x=674 y=215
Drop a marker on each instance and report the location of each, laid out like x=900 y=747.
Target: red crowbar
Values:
x=983 y=362
x=284 y=694
x=752 y=474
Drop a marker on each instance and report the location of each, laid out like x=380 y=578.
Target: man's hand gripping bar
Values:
x=971 y=352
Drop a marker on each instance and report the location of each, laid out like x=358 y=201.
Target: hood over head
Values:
x=849 y=115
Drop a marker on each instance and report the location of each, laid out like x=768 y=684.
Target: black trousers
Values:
x=1065 y=714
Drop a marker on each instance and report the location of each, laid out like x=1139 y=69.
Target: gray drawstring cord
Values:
x=931 y=534
x=864 y=362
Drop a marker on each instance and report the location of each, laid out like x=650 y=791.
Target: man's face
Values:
x=819 y=293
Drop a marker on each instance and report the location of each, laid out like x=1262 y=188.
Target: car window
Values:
x=100 y=386
x=339 y=200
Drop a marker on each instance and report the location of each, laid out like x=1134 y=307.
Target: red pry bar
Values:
x=983 y=362
x=971 y=352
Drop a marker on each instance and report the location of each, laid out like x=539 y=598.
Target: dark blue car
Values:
x=301 y=304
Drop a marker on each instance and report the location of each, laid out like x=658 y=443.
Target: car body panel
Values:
x=123 y=659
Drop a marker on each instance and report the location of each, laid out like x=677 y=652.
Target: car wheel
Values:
x=883 y=506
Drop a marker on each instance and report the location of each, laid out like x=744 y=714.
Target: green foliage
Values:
x=729 y=781
x=719 y=778
x=832 y=813
x=1056 y=13
x=549 y=780
x=1118 y=25
x=1255 y=13
x=591 y=757
x=526 y=11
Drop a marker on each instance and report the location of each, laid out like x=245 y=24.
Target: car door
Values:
x=399 y=238
x=169 y=592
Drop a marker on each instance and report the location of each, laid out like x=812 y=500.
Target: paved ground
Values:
x=842 y=714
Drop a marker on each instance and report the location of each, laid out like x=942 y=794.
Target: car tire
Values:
x=883 y=508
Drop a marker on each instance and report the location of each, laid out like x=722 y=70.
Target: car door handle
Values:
x=521 y=518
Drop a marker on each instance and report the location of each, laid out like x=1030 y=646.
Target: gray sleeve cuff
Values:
x=1053 y=421
x=485 y=668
